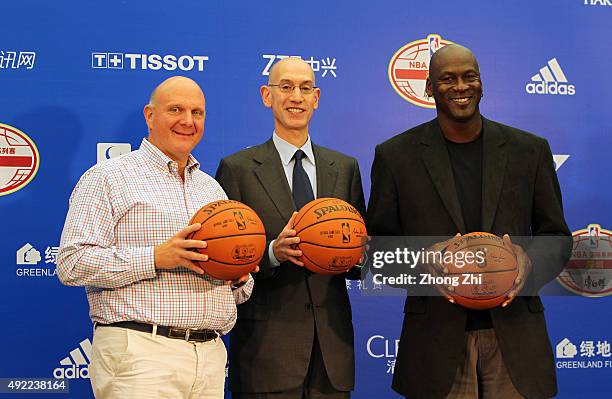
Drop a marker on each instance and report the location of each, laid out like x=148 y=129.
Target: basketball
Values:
x=235 y=236
x=486 y=268
x=332 y=235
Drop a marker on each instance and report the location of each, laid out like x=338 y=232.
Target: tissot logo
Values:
x=550 y=80
x=154 y=62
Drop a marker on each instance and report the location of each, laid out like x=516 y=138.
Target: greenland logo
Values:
x=550 y=80
x=76 y=365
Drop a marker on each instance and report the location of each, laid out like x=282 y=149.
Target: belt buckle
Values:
x=179 y=333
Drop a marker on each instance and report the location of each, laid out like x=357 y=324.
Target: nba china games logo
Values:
x=409 y=68
x=589 y=271
x=19 y=159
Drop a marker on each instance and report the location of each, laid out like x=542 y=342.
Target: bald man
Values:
x=157 y=316
x=461 y=173
x=294 y=338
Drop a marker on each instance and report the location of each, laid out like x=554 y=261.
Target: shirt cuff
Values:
x=273 y=261
x=144 y=258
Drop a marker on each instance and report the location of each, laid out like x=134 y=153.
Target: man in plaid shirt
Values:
x=158 y=316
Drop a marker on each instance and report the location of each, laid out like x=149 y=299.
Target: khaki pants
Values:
x=483 y=374
x=132 y=364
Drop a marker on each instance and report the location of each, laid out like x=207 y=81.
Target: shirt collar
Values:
x=286 y=150
x=160 y=159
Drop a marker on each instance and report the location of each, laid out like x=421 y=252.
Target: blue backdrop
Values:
x=76 y=74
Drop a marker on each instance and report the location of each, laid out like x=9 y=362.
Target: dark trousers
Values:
x=483 y=374
x=316 y=384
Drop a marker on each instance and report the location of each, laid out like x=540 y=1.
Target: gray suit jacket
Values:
x=270 y=345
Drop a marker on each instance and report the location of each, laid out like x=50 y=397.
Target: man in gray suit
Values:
x=294 y=338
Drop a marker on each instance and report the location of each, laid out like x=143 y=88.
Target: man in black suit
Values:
x=461 y=173
x=294 y=338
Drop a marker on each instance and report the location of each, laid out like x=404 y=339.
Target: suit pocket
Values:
x=415 y=305
x=535 y=304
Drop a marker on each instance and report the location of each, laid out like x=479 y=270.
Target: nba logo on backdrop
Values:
x=589 y=271
x=409 y=68
x=19 y=159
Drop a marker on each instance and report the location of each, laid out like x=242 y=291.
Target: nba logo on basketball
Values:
x=240 y=223
x=19 y=159
x=346 y=233
x=409 y=68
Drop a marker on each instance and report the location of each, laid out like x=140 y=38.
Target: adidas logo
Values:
x=75 y=365
x=550 y=80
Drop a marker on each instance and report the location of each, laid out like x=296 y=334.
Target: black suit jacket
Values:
x=270 y=345
x=413 y=194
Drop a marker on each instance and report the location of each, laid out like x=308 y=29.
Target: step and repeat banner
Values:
x=75 y=75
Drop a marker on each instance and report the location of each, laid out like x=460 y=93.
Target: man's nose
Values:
x=461 y=85
x=296 y=94
x=187 y=119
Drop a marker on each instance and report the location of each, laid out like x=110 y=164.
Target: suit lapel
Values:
x=326 y=174
x=271 y=175
x=436 y=160
x=494 y=159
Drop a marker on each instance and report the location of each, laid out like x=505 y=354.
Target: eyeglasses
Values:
x=290 y=87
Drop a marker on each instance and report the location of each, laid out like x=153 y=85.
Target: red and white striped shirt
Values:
x=119 y=210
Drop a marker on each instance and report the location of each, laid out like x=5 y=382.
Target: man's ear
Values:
x=428 y=89
x=317 y=95
x=266 y=95
x=148 y=114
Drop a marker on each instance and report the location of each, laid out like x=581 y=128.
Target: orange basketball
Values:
x=332 y=235
x=235 y=236
x=486 y=269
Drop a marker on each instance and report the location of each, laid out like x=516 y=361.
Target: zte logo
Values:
x=598 y=3
x=154 y=62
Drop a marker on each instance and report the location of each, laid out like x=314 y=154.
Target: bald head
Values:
x=174 y=83
x=175 y=118
x=290 y=64
x=449 y=54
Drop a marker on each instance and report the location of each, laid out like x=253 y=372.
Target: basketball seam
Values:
x=483 y=299
x=484 y=272
x=328 y=246
x=316 y=264
x=230 y=264
x=316 y=202
x=223 y=210
x=233 y=235
x=327 y=220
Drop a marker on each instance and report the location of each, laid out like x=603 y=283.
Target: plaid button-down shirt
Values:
x=119 y=210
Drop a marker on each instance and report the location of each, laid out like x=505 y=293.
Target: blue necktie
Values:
x=302 y=190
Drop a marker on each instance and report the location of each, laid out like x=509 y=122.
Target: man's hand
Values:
x=524 y=268
x=177 y=251
x=240 y=281
x=285 y=243
x=438 y=270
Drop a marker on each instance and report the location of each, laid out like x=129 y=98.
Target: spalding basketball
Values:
x=332 y=235
x=486 y=269
x=235 y=236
